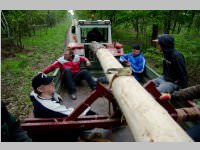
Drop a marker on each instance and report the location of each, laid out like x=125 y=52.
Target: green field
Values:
x=40 y=51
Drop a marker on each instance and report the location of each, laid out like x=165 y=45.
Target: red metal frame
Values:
x=74 y=121
x=151 y=88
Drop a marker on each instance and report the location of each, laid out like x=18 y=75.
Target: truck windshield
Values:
x=94 y=34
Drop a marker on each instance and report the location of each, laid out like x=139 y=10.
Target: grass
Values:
x=40 y=51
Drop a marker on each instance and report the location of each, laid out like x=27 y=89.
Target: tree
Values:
x=26 y=22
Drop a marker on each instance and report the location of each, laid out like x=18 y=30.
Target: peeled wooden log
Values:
x=147 y=119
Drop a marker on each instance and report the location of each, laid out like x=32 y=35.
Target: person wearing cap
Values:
x=174 y=69
x=135 y=60
x=46 y=102
x=71 y=74
x=192 y=92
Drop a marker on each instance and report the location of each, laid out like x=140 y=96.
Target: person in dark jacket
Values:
x=94 y=35
x=10 y=127
x=174 y=68
x=185 y=94
x=46 y=102
x=135 y=60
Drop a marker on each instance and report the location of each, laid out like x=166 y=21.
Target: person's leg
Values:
x=167 y=87
x=194 y=133
x=138 y=76
x=158 y=81
x=85 y=75
x=69 y=81
x=103 y=80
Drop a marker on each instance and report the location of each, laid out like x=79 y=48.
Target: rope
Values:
x=118 y=72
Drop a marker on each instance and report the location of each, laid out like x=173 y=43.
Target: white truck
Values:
x=83 y=32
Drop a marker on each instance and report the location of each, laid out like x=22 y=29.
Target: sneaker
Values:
x=90 y=112
x=73 y=96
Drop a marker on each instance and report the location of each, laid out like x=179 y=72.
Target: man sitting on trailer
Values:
x=174 y=68
x=71 y=72
x=185 y=94
x=136 y=60
x=46 y=102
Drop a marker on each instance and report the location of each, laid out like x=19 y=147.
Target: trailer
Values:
x=101 y=100
x=102 y=127
x=112 y=122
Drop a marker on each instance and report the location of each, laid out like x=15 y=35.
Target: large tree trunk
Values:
x=167 y=23
x=191 y=20
x=3 y=19
x=137 y=28
x=147 y=120
x=179 y=28
x=175 y=16
x=174 y=26
x=154 y=33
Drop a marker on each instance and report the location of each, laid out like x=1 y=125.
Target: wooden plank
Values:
x=148 y=120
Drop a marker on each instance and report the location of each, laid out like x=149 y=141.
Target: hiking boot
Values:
x=73 y=96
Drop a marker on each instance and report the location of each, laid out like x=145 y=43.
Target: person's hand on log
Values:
x=126 y=63
x=165 y=97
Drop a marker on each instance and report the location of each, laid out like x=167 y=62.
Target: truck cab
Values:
x=84 y=28
x=85 y=31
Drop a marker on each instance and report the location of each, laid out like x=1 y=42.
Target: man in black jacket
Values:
x=174 y=68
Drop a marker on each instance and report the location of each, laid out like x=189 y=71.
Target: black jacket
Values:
x=174 y=68
x=11 y=131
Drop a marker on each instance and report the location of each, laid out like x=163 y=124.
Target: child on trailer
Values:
x=46 y=102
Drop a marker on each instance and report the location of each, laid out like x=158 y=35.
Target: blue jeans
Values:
x=165 y=86
x=194 y=132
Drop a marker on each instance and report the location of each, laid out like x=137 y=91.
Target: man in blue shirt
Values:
x=135 y=60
